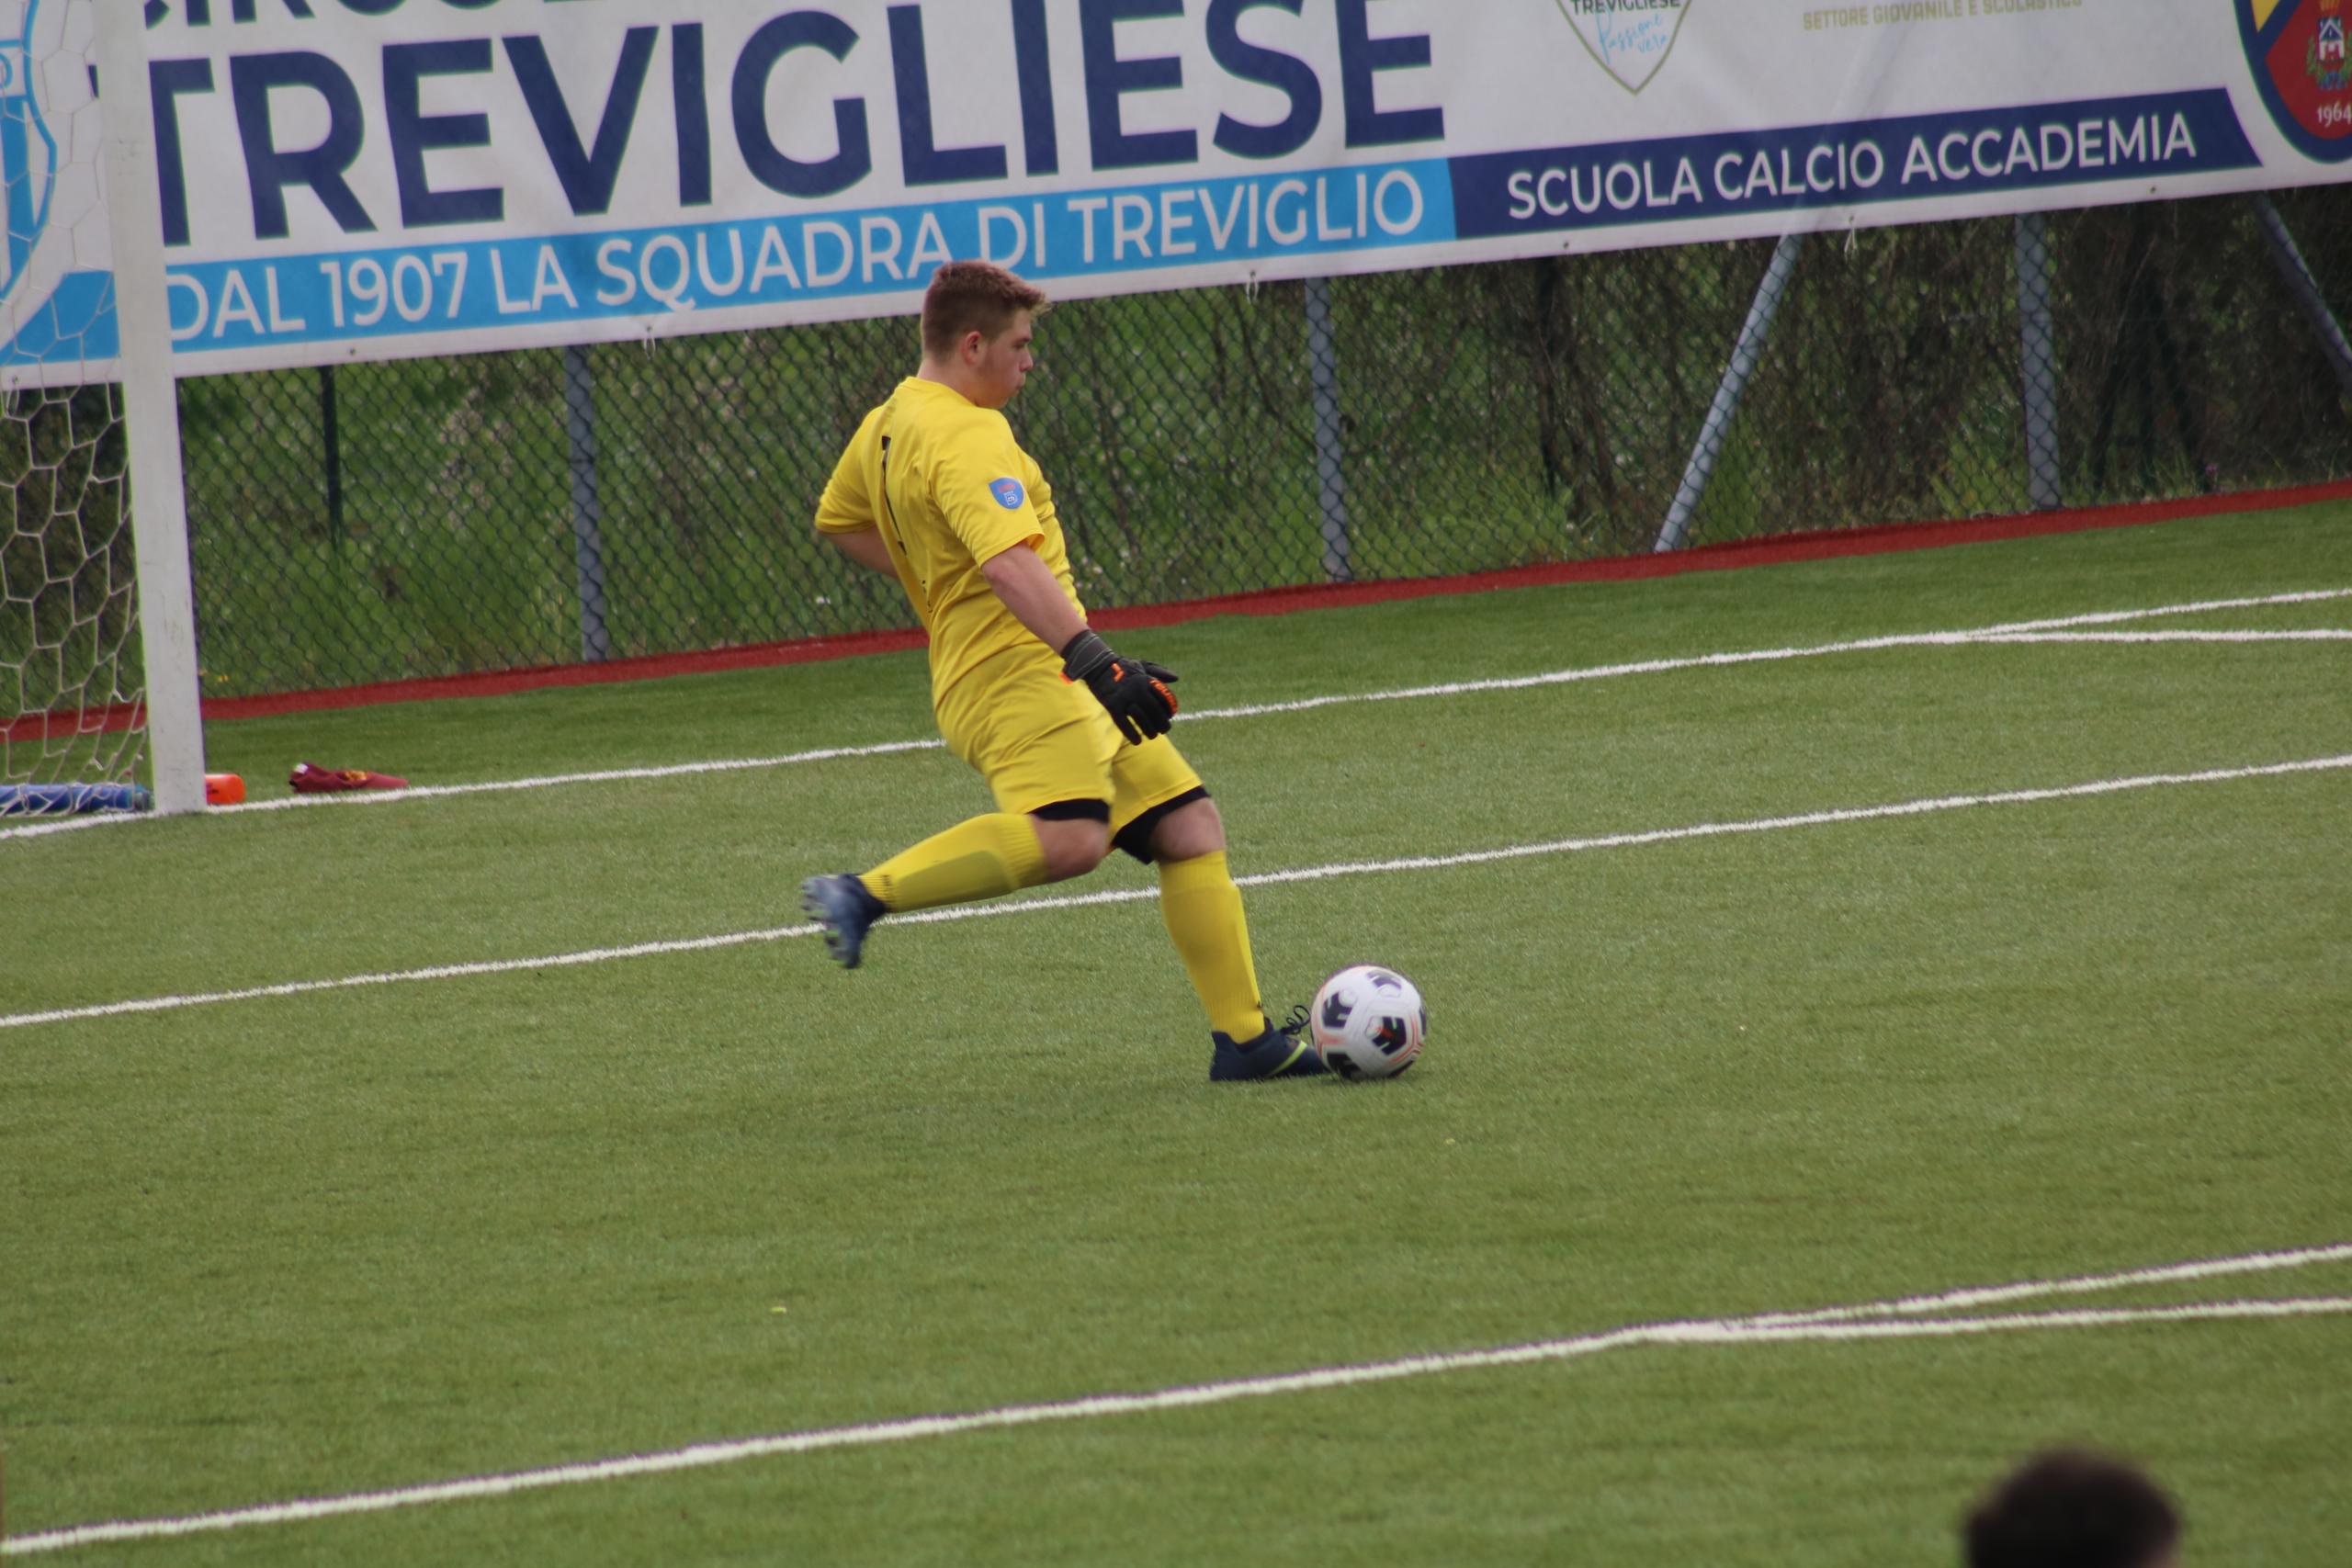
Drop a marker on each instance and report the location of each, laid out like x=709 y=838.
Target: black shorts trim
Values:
x=1135 y=837
x=1075 y=811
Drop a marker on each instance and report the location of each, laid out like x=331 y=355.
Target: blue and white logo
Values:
x=1630 y=41
x=27 y=151
x=1009 y=494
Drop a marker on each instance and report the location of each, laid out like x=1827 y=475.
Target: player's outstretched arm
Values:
x=1134 y=693
x=865 y=546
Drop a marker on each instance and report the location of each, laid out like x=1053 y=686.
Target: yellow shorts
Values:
x=1039 y=740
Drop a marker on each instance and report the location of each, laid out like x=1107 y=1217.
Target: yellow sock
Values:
x=981 y=858
x=1203 y=908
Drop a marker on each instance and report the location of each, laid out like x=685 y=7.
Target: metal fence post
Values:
x=1322 y=359
x=587 y=512
x=1744 y=357
x=2305 y=287
x=2039 y=366
x=331 y=441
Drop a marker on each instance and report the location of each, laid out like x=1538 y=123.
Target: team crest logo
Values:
x=2297 y=49
x=1009 y=494
x=27 y=151
x=1631 y=40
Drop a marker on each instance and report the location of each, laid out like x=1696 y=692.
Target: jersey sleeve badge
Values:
x=1009 y=493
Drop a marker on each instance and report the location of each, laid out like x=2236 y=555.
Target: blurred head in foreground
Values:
x=2072 y=1509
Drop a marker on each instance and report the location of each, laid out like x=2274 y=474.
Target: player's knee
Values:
x=1076 y=853
x=1189 y=832
x=1072 y=847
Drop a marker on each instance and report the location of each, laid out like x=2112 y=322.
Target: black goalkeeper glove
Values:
x=1132 y=691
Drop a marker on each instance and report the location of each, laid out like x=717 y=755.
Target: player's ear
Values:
x=975 y=347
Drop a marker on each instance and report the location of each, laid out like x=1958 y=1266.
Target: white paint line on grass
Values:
x=2088 y=1284
x=1948 y=1328
x=1779 y=655
x=613 y=775
x=1863 y=1322
x=407 y=977
x=2016 y=631
x=2311 y=634
x=1260 y=879
x=501 y=786
x=1808 y=820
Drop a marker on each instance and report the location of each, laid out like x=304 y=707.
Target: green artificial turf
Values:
x=375 y=1238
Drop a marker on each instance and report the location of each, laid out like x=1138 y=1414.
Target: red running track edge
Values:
x=1825 y=543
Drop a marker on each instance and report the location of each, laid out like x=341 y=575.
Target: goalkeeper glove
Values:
x=1132 y=691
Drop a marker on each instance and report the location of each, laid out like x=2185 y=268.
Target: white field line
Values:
x=1867 y=1321
x=1780 y=655
x=501 y=786
x=1260 y=879
x=2312 y=633
x=2089 y=1284
x=2015 y=631
x=1947 y=1327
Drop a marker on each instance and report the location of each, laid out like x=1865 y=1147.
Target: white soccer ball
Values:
x=1368 y=1022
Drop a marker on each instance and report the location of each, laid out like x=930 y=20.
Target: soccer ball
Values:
x=1368 y=1022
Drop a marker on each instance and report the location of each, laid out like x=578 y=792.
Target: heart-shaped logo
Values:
x=1631 y=38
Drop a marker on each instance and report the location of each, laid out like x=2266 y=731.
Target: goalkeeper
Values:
x=1071 y=736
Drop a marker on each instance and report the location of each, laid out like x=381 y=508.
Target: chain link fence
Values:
x=387 y=521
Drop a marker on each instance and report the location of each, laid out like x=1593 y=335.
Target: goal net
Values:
x=70 y=683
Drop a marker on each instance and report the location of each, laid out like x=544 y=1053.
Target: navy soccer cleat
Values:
x=846 y=910
x=1279 y=1053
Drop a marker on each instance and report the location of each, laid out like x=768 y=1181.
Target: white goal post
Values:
x=151 y=418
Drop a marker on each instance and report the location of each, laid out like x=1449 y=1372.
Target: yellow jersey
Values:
x=949 y=488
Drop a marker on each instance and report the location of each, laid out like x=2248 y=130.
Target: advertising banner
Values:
x=348 y=179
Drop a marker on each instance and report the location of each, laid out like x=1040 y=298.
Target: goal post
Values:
x=150 y=419
x=99 y=684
